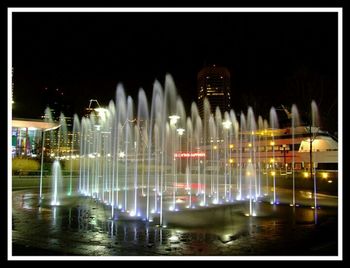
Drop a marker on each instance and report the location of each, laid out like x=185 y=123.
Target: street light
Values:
x=227 y=124
x=173 y=119
x=284 y=149
x=121 y=155
x=180 y=132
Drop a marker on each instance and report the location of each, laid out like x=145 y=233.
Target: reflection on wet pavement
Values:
x=83 y=227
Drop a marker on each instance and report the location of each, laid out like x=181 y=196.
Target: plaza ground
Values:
x=82 y=227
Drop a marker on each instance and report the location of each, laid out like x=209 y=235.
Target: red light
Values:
x=190 y=155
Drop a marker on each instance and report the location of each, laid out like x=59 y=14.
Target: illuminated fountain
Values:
x=295 y=123
x=75 y=132
x=136 y=164
x=145 y=160
x=55 y=143
x=314 y=127
x=240 y=148
x=56 y=183
x=227 y=127
x=47 y=118
x=274 y=125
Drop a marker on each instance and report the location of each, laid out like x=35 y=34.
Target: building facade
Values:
x=214 y=83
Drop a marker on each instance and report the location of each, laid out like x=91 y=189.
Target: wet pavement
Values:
x=82 y=227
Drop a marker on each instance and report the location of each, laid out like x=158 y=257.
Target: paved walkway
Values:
x=81 y=227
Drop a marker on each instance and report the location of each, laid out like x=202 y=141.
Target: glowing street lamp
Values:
x=173 y=119
x=227 y=124
x=122 y=155
x=180 y=131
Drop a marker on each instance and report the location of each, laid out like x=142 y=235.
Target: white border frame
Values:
x=226 y=10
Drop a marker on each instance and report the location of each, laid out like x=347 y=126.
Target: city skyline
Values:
x=87 y=54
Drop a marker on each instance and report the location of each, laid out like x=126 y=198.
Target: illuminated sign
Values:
x=190 y=155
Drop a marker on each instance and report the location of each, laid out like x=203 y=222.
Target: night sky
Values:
x=274 y=58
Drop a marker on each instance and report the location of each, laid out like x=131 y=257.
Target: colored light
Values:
x=189 y=155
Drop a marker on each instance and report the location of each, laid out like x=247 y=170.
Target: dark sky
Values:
x=274 y=58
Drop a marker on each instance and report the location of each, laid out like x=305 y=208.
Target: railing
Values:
x=35 y=173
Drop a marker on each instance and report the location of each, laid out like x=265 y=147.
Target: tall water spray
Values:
x=240 y=148
x=251 y=165
x=260 y=133
x=219 y=127
x=143 y=160
x=62 y=136
x=295 y=123
x=74 y=143
x=213 y=138
x=274 y=126
x=47 y=118
x=56 y=183
x=141 y=144
x=234 y=147
x=118 y=149
x=226 y=133
x=198 y=130
x=205 y=139
x=189 y=148
x=252 y=148
x=313 y=134
x=266 y=126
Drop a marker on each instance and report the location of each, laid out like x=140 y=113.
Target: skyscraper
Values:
x=213 y=82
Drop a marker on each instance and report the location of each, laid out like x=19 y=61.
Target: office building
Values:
x=213 y=83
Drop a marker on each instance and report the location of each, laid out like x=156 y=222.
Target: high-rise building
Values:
x=213 y=83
